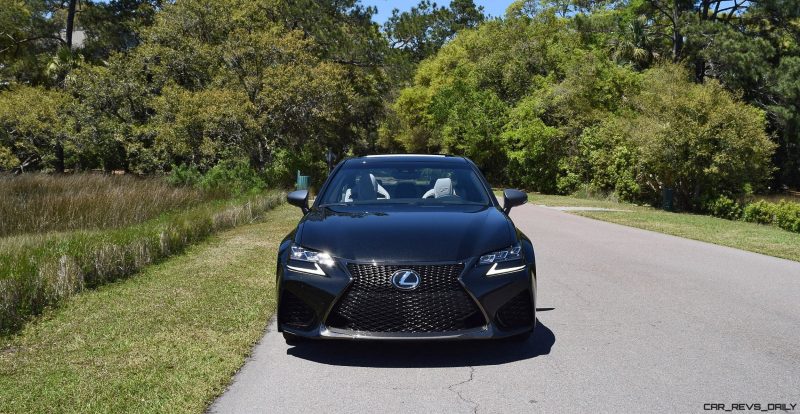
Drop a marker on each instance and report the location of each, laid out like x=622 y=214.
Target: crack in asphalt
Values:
x=458 y=393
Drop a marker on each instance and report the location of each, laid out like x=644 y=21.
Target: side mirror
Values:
x=299 y=198
x=513 y=198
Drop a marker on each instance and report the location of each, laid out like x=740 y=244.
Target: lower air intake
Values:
x=516 y=313
x=295 y=313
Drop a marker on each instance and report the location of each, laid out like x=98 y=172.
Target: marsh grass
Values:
x=39 y=203
x=37 y=271
x=168 y=340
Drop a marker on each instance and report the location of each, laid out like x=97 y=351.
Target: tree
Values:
x=38 y=136
x=28 y=38
x=115 y=26
x=416 y=34
x=696 y=139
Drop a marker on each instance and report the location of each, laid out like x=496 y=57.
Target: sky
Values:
x=492 y=7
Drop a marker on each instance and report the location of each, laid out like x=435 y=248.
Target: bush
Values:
x=787 y=215
x=233 y=177
x=184 y=176
x=229 y=178
x=698 y=139
x=724 y=207
x=759 y=212
x=784 y=214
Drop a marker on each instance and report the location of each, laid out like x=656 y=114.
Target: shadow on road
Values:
x=425 y=354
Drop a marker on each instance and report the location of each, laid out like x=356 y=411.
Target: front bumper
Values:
x=317 y=296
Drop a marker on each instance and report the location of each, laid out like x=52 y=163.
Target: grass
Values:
x=564 y=201
x=41 y=270
x=39 y=203
x=752 y=237
x=167 y=340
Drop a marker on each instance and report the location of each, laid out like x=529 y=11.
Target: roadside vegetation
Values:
x=41 y=203
x=167 y=340
x=768 y=240
x=685 y=100
x=66 y=234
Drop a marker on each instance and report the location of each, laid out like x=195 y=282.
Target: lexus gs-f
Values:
x=406 y=247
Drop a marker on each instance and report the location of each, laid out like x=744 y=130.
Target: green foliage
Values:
x=558 y=95
x=200 y=128
x=785 y=214
x=533 y=148
x=43 y=270
x=232 y=177
x=28 y=40
x=419 y=32
x=724 y=207
x=696 y=139
x=200 y=82
x=228 y=178
x=282 y=171
x=608 y=162
x=37 y=136
x=759 y=212
x=184 y=176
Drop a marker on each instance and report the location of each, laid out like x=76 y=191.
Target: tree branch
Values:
x=30 y=39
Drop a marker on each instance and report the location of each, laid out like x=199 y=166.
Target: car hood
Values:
x=405 y=233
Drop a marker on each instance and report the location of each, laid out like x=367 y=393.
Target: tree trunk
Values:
x=699 y=70
x=72 y=5
x=59 y=157
x=677 y=37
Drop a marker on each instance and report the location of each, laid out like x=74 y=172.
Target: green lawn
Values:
x=746 y=236
x=166 y=340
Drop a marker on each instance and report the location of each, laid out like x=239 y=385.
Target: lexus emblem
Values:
x=405 y=279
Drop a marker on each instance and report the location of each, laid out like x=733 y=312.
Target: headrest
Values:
x=367 y=187
x=443 y=187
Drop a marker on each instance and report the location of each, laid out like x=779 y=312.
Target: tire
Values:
x=292 y=339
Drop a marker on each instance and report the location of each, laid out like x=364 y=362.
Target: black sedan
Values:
x=406 y=247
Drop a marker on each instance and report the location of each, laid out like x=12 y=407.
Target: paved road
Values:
x=631 y=321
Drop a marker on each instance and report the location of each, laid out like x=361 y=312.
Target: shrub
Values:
x=784 y=214
x=724 y=207
x=787 y=216
x=234 y=177
x=697 y=139
x=184 y=175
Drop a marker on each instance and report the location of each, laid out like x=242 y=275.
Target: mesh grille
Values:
x=295 y=313
x=517 y=313
x=373 y=304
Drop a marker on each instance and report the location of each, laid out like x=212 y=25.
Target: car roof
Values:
x=411 y=158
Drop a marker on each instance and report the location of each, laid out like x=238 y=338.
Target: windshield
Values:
x=407 y=183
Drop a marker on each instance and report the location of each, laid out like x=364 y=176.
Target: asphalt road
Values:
x=630 y=321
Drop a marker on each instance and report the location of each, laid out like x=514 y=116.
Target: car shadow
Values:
x=425 y=354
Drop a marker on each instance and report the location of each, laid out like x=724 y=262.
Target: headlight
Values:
x=305 y=255
x=309 y=260
x=505 y=255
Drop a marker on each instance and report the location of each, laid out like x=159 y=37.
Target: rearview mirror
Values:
x=513 y=198
x=299 y=198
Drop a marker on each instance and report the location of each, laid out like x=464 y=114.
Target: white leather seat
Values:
x=442 y=188
x=367 y=189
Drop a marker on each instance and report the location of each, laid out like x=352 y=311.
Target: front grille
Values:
x=294 y=312
x=373 y=304
x=517 y=312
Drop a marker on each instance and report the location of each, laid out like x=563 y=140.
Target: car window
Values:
x=407 y=183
